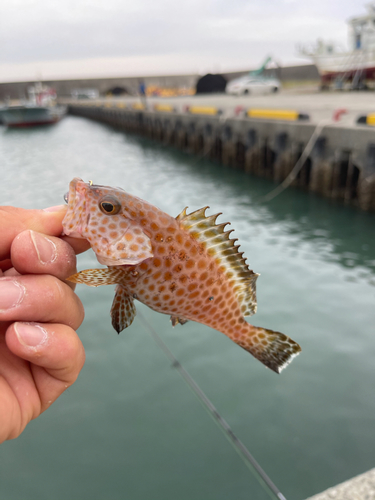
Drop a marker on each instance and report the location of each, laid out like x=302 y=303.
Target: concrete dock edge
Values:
x=360 y=487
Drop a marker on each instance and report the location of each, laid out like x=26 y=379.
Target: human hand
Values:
x=40 y=352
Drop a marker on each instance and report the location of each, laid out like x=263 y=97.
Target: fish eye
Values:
x=110 y=206
x=66 y=197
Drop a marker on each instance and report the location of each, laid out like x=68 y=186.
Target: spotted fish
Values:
x=187 y=267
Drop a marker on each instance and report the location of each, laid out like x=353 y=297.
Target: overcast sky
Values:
x=90 y=38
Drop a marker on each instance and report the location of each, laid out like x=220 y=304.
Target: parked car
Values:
x=252 y=85
x=85 y=93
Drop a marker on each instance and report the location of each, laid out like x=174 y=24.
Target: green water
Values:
x=130 y=428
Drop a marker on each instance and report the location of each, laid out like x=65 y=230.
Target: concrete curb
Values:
x=360 y=487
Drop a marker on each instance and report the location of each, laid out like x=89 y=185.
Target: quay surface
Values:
x=264 y=135
x=361 y=487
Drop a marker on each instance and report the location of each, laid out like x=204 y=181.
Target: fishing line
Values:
x=239 y=447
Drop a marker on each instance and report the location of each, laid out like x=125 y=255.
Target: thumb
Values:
x=15 y=220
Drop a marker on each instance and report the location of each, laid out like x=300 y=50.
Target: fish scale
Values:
x=187 y=267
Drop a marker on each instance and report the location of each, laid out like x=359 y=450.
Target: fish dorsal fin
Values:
x=223 y=249
x=182 y=215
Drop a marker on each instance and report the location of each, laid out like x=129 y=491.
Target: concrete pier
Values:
x=361 y=487
x=263 y=135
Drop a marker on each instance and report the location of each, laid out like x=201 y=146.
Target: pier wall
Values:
x=341 y=165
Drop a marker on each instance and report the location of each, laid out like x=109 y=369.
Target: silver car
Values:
x=252 y=85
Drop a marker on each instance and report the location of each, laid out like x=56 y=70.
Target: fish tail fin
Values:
x=274 y=349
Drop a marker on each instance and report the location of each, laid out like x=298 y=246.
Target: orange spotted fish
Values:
x=187 y=267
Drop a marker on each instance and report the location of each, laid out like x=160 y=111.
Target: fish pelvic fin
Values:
x=274 y=349
x=98 y=277
x=123 y=309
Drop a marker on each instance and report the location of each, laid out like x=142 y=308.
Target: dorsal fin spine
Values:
x=221 y=240
x=182 y=214
x=196 y=216
x=201 y=227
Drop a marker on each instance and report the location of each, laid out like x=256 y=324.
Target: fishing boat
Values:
x=39 y=109
x=353 y=68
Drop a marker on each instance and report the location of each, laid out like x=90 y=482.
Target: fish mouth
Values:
x=76 y=220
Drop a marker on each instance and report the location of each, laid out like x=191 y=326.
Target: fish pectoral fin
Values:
x=274 y=349
x=123 y=309
x=176 y=320
x=98 y=277
x=131 y=248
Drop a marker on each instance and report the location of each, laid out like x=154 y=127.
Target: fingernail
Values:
x=45 y=248
x=56 y=208
x=11 y=293
x=30 y=334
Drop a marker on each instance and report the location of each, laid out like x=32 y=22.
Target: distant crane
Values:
x=260 y=70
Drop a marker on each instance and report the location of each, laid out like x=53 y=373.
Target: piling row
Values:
x=340 y=166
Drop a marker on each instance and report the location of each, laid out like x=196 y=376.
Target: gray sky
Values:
x=78 y=38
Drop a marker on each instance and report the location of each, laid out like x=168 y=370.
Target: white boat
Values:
x=354 y=67
x=39 y=109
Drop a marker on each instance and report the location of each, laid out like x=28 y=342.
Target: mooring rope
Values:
x=239 y=447
x=300 y=163
x=295 y=170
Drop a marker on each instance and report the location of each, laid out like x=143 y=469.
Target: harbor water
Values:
x=130 y=427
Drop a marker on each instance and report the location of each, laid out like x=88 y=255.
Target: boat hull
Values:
x=346 y=64
x=23 y=116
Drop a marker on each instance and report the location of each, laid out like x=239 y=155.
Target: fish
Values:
x=187 y=267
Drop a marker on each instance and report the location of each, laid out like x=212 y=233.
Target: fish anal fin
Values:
x=98 y=277
x=274 y=349
x=175 y=320
x=123 y=309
